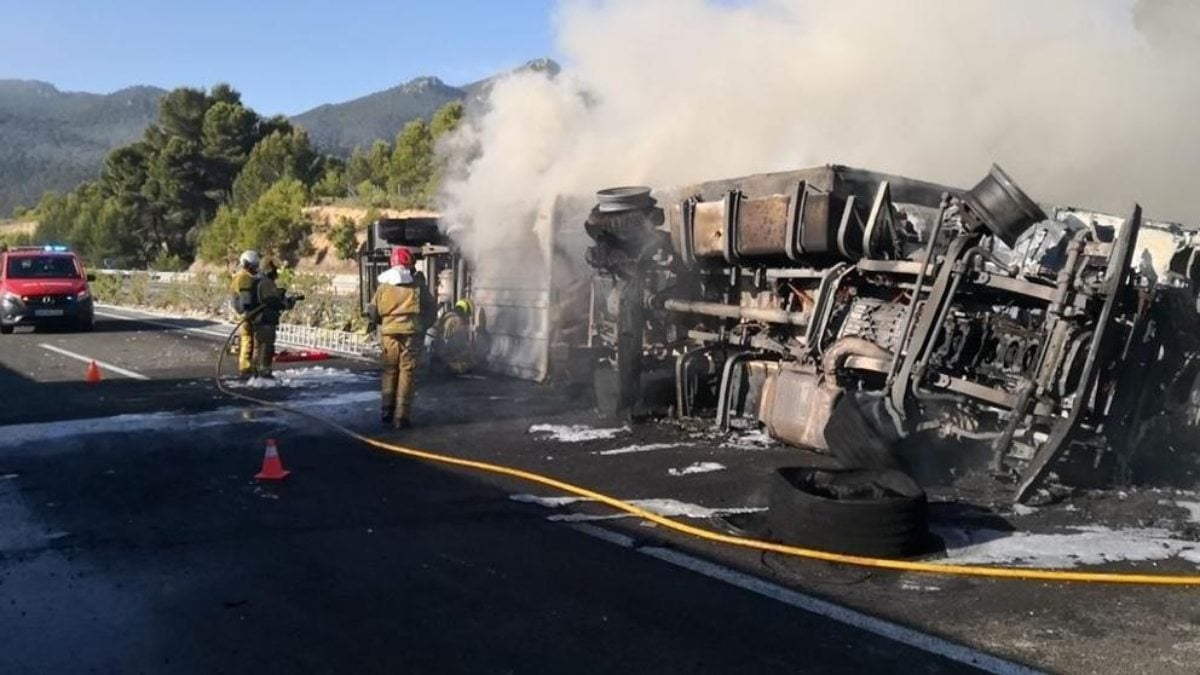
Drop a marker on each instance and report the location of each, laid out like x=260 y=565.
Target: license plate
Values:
x=47 y=312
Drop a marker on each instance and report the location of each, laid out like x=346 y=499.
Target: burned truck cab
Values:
x=894 y=322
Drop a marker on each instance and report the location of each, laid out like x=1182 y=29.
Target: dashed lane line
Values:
x=87 y=359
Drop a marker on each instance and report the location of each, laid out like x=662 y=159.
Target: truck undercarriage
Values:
x=892 y=322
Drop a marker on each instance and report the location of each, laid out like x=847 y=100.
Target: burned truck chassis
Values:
x=853 y=312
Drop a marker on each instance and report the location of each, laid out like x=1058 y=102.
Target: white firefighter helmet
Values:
x=250 y=259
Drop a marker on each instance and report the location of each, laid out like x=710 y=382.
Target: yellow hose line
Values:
x=1060 y=576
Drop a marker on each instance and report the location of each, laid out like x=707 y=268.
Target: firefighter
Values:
x=398 y=307
x=452 y=338
x=244 y=288
x=273 y=302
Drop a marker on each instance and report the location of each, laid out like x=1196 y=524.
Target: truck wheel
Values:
x=869 y=512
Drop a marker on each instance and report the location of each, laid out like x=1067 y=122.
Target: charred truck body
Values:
x=888 y=321
x=444 y=270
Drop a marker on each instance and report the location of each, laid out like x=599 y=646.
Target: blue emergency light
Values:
x=55 y=248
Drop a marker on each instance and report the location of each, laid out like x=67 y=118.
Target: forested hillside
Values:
x=210 y=177
x=53 y=140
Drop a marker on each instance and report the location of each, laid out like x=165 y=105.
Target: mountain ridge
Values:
x=52 y=139
x=339 y=128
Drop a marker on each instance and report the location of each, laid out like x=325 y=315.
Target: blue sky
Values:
x=285 y=57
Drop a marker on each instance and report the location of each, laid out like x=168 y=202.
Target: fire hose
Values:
x=979 y=571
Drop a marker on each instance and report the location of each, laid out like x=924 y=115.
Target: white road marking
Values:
x=87 y=359
x=925 y=642
x=164 y=324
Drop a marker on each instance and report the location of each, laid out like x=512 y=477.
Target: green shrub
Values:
x=106 y=288
x=344 y=237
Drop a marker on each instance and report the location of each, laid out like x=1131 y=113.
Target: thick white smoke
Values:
x=1079 y=102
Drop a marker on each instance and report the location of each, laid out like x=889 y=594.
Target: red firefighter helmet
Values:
x=401 y=257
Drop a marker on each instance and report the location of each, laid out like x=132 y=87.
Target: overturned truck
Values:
x=892 y=322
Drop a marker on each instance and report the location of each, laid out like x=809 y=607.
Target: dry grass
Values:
x=325 y=259
x=331 y=215
x=17 y=226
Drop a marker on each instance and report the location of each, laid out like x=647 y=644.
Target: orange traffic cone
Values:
x=93 y=373
x=272 y=468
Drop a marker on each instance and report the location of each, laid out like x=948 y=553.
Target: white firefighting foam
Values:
x=576 y=433
x=698 y=467
x=1073 y=547
x=669 y=508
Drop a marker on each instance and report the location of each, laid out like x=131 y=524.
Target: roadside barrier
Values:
x=980 y=571
x=324 y=339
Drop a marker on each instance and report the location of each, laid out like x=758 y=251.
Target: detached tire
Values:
x=868 y=512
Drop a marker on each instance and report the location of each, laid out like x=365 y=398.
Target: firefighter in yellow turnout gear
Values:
x=273 y=302
x=452 y=338
x=244 y=288
x=399 y=307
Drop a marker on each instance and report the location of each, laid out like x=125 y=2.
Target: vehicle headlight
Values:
x=12 y=298
x=85 y=294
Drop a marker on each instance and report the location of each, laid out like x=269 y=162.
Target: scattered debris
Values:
x=913 y=586
x=670 y=508
x=649 y=447
x=548 y=502
x=756 y=439
x=698 y=467
x=265 y=494
x=577 y=433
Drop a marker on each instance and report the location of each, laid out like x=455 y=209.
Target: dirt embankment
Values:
x=325 y=259
x=17 y=227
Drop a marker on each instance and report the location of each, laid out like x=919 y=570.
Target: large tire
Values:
x=868 y=512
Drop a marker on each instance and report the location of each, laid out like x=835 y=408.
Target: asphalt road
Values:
x=133 y=539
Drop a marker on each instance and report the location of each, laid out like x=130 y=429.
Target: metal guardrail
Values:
x=324 y=339
x=342 y=284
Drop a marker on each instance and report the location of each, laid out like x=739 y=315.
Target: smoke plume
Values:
x=1085 y=102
